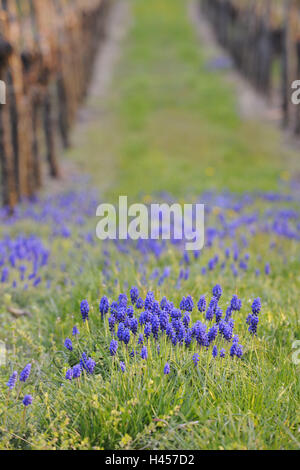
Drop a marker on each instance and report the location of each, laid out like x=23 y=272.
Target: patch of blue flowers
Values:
x=21 y=260
x=191 y=325
x=231 y=224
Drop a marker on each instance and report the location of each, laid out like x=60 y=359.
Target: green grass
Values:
x=169 y=125
x=174 y=123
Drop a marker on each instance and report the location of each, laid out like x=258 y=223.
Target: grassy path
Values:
x=169 y=124
x=172 y=123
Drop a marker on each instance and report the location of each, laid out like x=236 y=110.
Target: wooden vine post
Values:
x=47 y=49
x=16 y=109
x=8 y=180
x=257 y=33
x=45 y=21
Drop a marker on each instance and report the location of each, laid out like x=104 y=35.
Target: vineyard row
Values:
x=47 y=51
x=263 y=37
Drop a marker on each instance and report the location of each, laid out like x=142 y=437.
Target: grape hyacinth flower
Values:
x=199 y=331
x=155 y=307
x=149 y=300
x=133 y=325
x=126 y=336
x=84 y=309
x=215 y=351
x=213 y=304
x=123 y=300
x=236 y=303
x=25 y=373
x=219 y=314
x=121 y=314
x=12 y=380
x=144 y=353
x=83 y=361
x=189 y=304
x=226 y=329
x=76 y=371
x=196 y=359
x=130 y=311
x=186 y=320
x=132 y=353
x=181 y=331
x=120 y=331
x=141 y=339
x=233 y=349
x=256 y=306
x=202 y=304
x=212 y=333
x=252 y=321
x=90 y=365
x=239 y=351
x=222 y=353
x=103 y=306
x=163 y=303
x=69 y=374
x=155 y=326
x=170 y=331
x=27 y=400
x=126 y=321
x=139 y=303
x=236 y=350
x=114 y=308
x=167 y=369
x=111 y=323
x=228 y=314
x=143 y=318
x=175 y=313
x=122 y=366
x=113 y=347
x=75 y=331
x=182 y=304
x=68 y=344
x=134 y=294
x=217 y=291
x=209 y=314
x=188 y=338
x=163 y=320
x=147 y=330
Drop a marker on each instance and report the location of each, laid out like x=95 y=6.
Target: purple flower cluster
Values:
x=103 y=306
x=161 y=322
x=24 y=375
x=130 y=325
x=86 y=364
x=68 y=344
x=85 y=309
x=25 y=260
x=22 y=261
x=163 y=318
x=253 y=319
x=27 y=400
x=12 y=380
